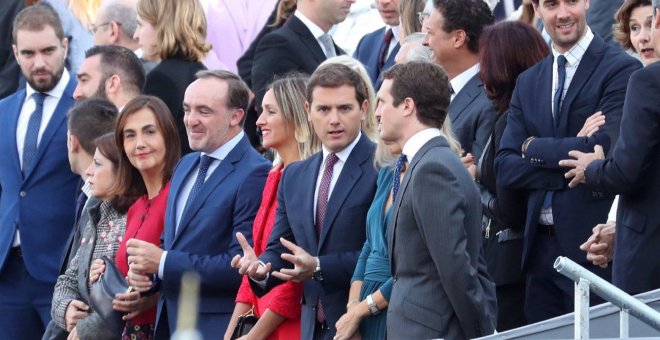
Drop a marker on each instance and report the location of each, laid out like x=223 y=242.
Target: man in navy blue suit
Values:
x=632 y=171
x=214 y=194
x=377 y=49
x=548 y=118
x=322 y=206
x=37 y=187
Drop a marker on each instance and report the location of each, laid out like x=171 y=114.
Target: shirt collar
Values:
x=458 y=82
x=395 y=34
x=86 y=188
x=414 y=143
x=311 y=26
x=575 y=53
x=222 y=152
x=56 y=92
x=343 y=154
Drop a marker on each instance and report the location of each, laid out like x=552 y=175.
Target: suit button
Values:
x=22 y=193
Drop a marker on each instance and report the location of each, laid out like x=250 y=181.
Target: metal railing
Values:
x=586 y=281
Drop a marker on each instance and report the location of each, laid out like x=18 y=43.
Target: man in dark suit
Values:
x=376 y=50
x=322 y=206
x=632 y=172
x=440 y=287
x=300 y=45
x=214 y=194
x=453 y=32
x=37 y=187
x=9 y=70
x=548 y=118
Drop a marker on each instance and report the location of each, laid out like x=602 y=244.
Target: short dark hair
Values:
x=122 y=62
x=472 y=16
x=107 y=147
x=90 y=119
x=36 y=18
x=507 y=49
x=238 y=93
x=621 y=29
x=336 y=75
x=129 y=180
x=426 y=84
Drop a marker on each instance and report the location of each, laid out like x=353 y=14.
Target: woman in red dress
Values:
x=148 y=137
x=284 y=128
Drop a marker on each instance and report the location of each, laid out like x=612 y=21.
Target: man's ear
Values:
x=74 y=143
x=408 y=106
x=460 y=38
x=364 y=108
x=112 y=84
x=115 y=32
x=308 y=108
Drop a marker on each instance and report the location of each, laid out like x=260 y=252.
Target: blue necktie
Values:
x=400 y=164
x=204 y=164
x=32 y=133
x=561 y=80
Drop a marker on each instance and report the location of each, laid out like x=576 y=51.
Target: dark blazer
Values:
x=441 y=288
x=291 y=47
x=343 y=232
x=634 y=172
x=368 y=53
x=9 y=69
x=42 y=204
x=472 y=116
x=169 y=81
x=205 y=240
x=599 y=84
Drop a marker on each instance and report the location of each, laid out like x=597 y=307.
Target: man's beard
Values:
x=45 y=85
x=100 y=91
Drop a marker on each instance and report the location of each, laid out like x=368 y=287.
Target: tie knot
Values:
x=328 y=45
x=205 y=161
x=401 y=161
x=39 y=98
x=388 y=36
x=331 y=160
x=561 y=61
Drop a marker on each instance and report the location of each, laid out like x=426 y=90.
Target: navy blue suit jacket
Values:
x=634 y=172
x=205 y=240
x=343 y=233
x=368 y=53
x=599 y=84
x=42 y=204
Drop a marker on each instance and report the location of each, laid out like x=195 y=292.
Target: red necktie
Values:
x=384 y=47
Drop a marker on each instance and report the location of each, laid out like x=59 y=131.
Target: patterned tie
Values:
x=329 y=45
x=384 y=47
x=400 y=166
x=32 y=134
x=321 y=206
x=561 y=80
x=204 y=164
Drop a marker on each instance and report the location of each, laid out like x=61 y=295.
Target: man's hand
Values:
x=468 y=161
x=143 y=257
x=579 y=164
x=248 y=264
x=73 y=334
x=75 y=311
x=133 y=304
x=592 y=124
x=600 y=245
x=96 y=269
x=304 y=264
x=348 y=324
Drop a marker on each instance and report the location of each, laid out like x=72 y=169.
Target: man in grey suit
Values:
x=453 y=31
x=441 y=289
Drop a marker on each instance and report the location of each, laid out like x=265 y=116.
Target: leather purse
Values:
x=244 y=325
x=103 y=291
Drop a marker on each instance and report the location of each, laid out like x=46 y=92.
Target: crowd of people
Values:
x=421 y=188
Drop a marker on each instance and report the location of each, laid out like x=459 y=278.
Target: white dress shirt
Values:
x=316 y=31
x=414 y=143
x=458 y=82
x=50 y=103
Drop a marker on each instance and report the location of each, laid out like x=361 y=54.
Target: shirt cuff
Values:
x=261 y=283
x=161 y=265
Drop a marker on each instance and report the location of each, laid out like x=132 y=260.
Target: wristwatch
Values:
x=318 y=274
x=373 y=308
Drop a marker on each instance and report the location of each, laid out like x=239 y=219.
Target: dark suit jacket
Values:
x=205 y=240
x=9 y=69
x=291 y=47
x=441 y=288
x=634 y=172
x=600 y=17
x=343 y=232
x=472 y=116
x=599 y=84
x=42 y=204
x=368 y=53
x=168 y=81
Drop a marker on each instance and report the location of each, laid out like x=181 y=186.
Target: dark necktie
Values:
x=561 y=80
x=321 y=206
x=32 y=133
x=204 y=163
x=399 y=167
x=80 y=204
x=384 y=47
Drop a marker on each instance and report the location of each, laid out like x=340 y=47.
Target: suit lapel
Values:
x=306 y=37
x=309 y=183
x=463 y=98
x=183 y=171
x=17 y=104
x=543 y=106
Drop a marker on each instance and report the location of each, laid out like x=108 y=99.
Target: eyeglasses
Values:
x=422 y=16
x=93 y=28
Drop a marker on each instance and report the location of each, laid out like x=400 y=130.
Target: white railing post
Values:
x=581 y=315
x=624 y=317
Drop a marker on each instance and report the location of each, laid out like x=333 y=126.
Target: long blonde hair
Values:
x=84 y=10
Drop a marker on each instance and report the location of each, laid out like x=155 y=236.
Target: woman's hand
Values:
x=73 y=334
x=75 y=311
x=95 y=270
x=592 y=124
x=347 y=326
x=468 y=161
x=133 y=304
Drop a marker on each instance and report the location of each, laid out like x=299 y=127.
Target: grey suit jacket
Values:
x=472 y=116
x=441 y=288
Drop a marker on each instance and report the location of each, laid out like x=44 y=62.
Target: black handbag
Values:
x=244 y=324
x=103 y=291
